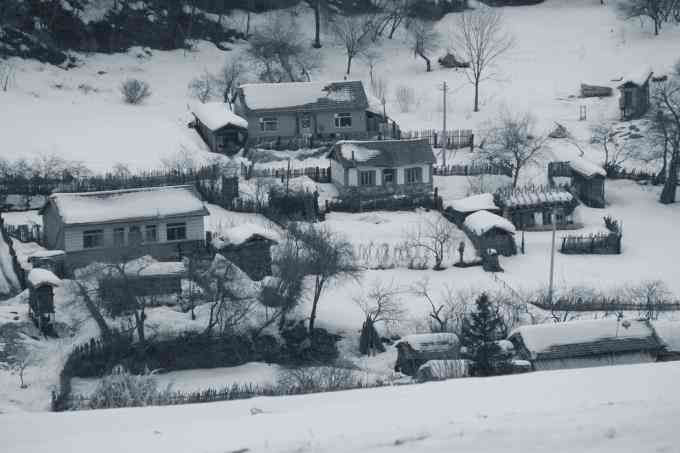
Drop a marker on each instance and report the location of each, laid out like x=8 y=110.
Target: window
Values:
x=343 y=120
x=388 y=176
x=119 y=237
x=177 y=231
x=93 y=238
x=413 y=175
x=135 y=235
x=306 y=122
x=269 y=124
x=367 y=178
x=150 y=233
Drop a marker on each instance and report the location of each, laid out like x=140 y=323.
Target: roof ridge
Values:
x=128 y=190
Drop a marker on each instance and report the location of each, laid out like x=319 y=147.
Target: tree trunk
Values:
x=427 y=61
x=670 y=186
x=317 y=294
x=349 y=64
x=95 y=313
x=476 y=109
x=317 y=26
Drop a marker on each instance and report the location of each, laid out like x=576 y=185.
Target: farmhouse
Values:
x=460 y=209
x=580 y=344
x=108 y=226
x=530 y=208
x=382 y=168
x=490 y=231
x=307 y=109
x=416 y=350
x=634 y=100
x=222 y=130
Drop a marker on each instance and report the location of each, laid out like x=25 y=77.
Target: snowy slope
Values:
x=611 y=409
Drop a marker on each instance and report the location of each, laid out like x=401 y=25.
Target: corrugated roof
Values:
x=529 y=198
x=305 y=96
x=382 y=153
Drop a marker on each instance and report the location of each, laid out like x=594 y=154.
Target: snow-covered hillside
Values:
x=628 y=408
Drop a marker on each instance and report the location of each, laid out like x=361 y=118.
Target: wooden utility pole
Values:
x=552 y=256
x=444 y=88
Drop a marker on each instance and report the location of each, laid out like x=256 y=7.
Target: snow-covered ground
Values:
x=609 y=409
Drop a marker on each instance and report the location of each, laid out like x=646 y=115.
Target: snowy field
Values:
x=626 y=408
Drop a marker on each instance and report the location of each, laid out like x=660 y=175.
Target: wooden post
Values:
x=472 y=142
x=445 y=89
x=552 y=256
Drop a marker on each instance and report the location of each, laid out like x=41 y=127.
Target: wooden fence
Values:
x=599 y=244
x=472 y=169
x=455 y=138
x=318 y=174
x=24 y=233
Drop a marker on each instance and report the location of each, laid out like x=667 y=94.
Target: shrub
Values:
x=134 y=91
x=122 y=389
x=316 y=379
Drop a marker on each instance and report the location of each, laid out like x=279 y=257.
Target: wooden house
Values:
x=490 y=231
x=634 y=100
x=581 y=344
x=308 y=109
x=669 y=335
x=531 y=208
x=248 y=246
x=460 y=209
x=109 y=226
x=222 y=130
x=382 y=168
x=41 y=284
x=415 y=350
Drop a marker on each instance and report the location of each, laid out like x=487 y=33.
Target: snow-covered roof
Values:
x=216 y=115
x=431 y=342
x=528 y=198
x=582 y=338
x=639 y=76
x=374 y=105
x=483 y=201
x=482 y=221
x=243 y=233
x=669 y=334
x=128 y=205
x=304 y=95
x=382 y=153
x=41 y=277
x=586 y=168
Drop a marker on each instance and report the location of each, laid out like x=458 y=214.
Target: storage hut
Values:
x=634 y=100
x=52 y=260
x=490 y=231
x=416 y=350
x=248 y=246
x=460 y=209
x=530 y=208
x=41 y=283
x=222 y=130
x=580 y=344
x=587 y=182
x=669 y=334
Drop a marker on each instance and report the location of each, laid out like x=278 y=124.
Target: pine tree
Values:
x=480 y=330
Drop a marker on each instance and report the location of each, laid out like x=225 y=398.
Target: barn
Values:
x=490 y=231
x=581 y=344
x=222 y=130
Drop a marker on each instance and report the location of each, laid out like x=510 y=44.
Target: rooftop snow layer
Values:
x=267 y=96
x=482 y=221
x=382 y=153
x=522 y=198
x=639 y=76
x=483 y=201
x=216 y=115
x=669 y=333
x=128 y=204
x=358 y=153
x=242 y=233
x=586 y=167
x=541 y=338
x=40 y=277
x=431 y=342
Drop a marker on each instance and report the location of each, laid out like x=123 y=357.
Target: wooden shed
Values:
x=634 y=100
x=222 y=130
x=587 y=182
x=490 y=231
x=530 y=208
x=460 y=209
x=669 y=334
x=248 y=246
x=581 y=344
x=416 y=350
x=41 y=284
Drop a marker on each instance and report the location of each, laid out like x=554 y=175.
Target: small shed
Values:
x=41 y=284
x=490 y=231
x=52 y=260
x=587 y=181
x=413 y=351
x=460 y=209
x=222 y=130
x=531 y=208
x=669 y=334
x=581 y=344
x=248 y=246
x=634 y=100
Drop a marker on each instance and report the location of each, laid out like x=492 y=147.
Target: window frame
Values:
x=306 y=118
x=180 y=226
x=338 y=120
x=119 y=233
x=265 y=120
x=393 y=174
x=371 y=178
x=147 y=229
x=89 y=234
x=408 y=175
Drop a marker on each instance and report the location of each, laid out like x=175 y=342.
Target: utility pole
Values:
x=444 y=89
x=552 y=256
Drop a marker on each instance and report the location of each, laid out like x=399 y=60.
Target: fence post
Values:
x=472 y=142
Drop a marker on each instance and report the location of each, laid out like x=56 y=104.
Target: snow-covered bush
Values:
x=122 y=389
x=203 y=87
x=134 y=91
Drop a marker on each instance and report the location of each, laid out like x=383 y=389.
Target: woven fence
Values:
x=472 y=169
x=455 y=138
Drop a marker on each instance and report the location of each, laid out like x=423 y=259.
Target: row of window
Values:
x=135 y=235
x=340 y=121
x=389 y=176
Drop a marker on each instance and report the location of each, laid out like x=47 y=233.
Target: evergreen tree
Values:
x=480 y=331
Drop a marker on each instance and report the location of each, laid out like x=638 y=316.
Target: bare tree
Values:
x=317 y=6
x=372 y=57
x=667 y=100
x=658 y=11
x=479 y=37
x=434 y=236
x=381 y=304
x=203 y=87
x=7 y=74
x=424 y=40
x=512 y=140
x=446 y=310
x=230 y=77
x=649 y=295
x=353 y=33
x=615 y=152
